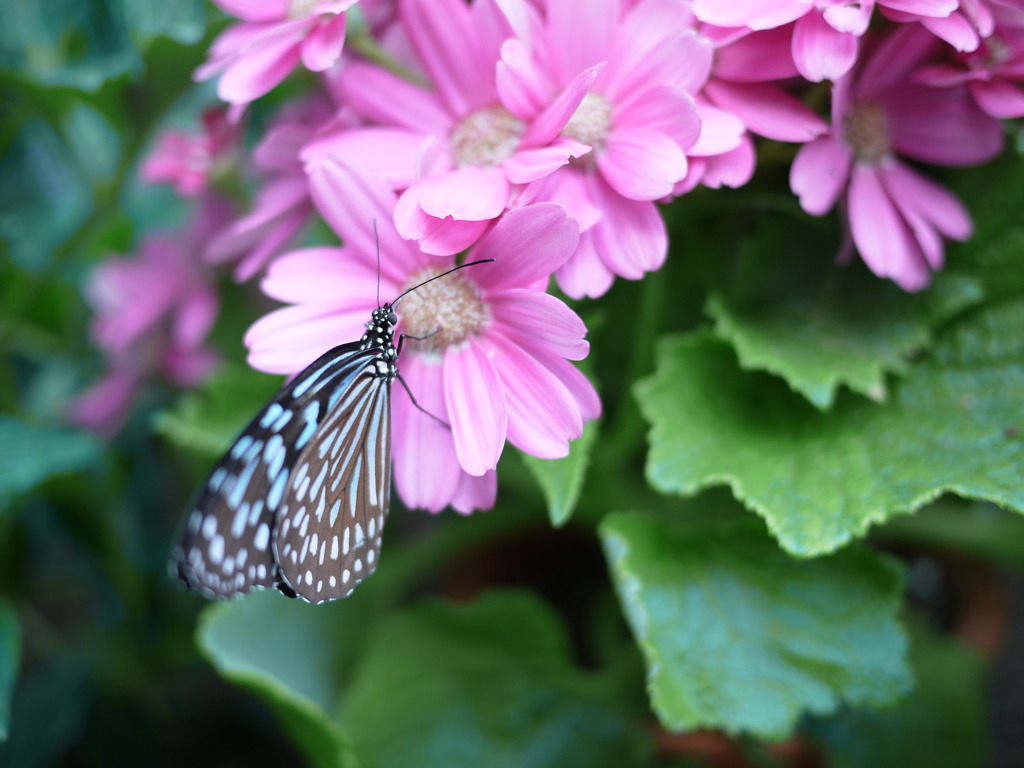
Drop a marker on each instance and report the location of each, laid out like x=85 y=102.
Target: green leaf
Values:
x=489 y=683
x=29 y=455
x=820 y=479
x=840 y=328
x=740 y=637
x=562 y=479
x=209 y=420
x=940 y=725
x=285 y=651
x=10 y=656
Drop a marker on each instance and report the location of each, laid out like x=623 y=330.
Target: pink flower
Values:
x=189 y=162
x=153 y=312
x=639 y=122
x=826 y=34
x=994 y=69
x=471 y=142
x=283 y=204
x=897 y=217
x=495 y=365
x=256 y=54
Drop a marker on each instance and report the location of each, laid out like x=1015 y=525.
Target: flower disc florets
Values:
x=590 y=124
x=443 y=313
x=486 y=137
x=301 y=9
x=866 y=131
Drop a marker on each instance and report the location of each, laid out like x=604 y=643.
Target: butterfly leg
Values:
x=412 y=397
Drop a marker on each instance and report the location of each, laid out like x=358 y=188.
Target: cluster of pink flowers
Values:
x=544 y=134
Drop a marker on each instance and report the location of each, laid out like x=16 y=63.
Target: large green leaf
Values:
x=28 y=455
x=489 y=683
x=286 y=651
x=820 y=479
x=562 y=479
x=940 y=725
x=739 y=636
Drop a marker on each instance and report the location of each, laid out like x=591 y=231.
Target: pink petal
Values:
x=720 y=131
x=585 y=274
x=938 y=206
x=475 y=400
x=104 y=407
x=756 y=14
x=360 y=209
x=390 y=153
x=259 y=69
x=195 y=317
x=322 y=274
x=322 y=46
x=572 y=51
x=578 y=385
x=426 y=469
x=475 y=492
x=529 y=165
x=631 y=238
x=274 y=239
x=471 y=193
x=664 y=109
x=527 y=244
x=437 y=237
x=819 y=173
x=289 y=339
x=955 y=30
x=641 y=165
x=893 y=61
x=568 y=188
x=936 y=8
x=767 y=110
x=542 y=415
x=880 y=234
x=852 y=19
x=999 y=98
x=941 y=126
x=442 y=34
x=731 y=169
x=820 y=52
x=682 y=59
x=757 y=58
x=539 y=320
x=524 y=86
x=554 y=118
x=386 y=98
x=255 y=10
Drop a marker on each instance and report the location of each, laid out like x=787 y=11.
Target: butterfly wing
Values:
x=226 y=548
x=330 y=522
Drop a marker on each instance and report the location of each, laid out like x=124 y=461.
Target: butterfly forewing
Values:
x=329 y=526
x=226 y=547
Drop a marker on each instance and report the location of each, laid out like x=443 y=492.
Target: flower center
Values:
x=591 y=122
x=301 y=9
x=486 y=137
x=866 y=132
x=450 y=308
x=994 y=53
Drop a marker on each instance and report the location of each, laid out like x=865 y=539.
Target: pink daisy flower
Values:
x=897 y=218
x=496 y=363
x=256 y=54
x=994 y=70
x=826 y=35
x=153 y=312
x=189 y=162
x=638 y=121
x=473 y=141
x=283 y=204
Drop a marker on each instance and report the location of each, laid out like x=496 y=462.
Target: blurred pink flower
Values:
x=469 y=143
x=257 y=53
x=897 y=218
x=189 y=162
x=282 y=205
x=994 y=70
x=497 y=365
x=638 y=122
x=152 y=314
x=825 y=38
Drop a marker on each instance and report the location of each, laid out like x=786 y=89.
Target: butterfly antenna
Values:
x=376 y=240
x=438 y=277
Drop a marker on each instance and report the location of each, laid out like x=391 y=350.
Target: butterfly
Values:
x=299 y=500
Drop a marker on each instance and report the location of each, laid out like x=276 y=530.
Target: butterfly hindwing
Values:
x=329 y=526
x=226 y=547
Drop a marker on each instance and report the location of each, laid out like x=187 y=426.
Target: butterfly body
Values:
x=299 y=500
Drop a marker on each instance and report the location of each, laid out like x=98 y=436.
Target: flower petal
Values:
x=257 y=70
x=289 y=339
x=819 y=173
x=475 y=492
x=323 y=274
x=767 y=110
x=554 y=118
x=475 y=400
x=631 y=238
x=585 y=274
x=537 y=320
x=323 y=45
x=386 y=98
x=820 y=51
x=390 y=153
x=641 y=165
x=528 y=165
x=527 y=244
x=466 y=194
x=426 y=468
